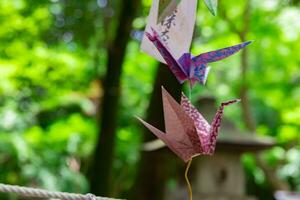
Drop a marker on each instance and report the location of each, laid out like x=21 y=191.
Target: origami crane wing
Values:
x=181 y=135
x=199 y=69
x=219 y=54
x=161 y=135
x=173 y=110
x=201 y=124
x=173 y=65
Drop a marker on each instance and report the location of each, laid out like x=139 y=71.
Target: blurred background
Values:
x=73 y=78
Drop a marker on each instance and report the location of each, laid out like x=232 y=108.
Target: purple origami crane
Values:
x=189 y=67
x=187 y=132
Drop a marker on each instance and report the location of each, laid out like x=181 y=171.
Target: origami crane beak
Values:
x=227 y=103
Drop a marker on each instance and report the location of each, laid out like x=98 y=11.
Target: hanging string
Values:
x=187 y=178
x=190 y=92
x=190 y=161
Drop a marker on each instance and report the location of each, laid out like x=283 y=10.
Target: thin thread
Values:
x=187 y=178
x=190 y=161
x=190 y=92
x=39 y=193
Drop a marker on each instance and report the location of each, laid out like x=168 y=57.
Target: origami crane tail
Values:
x=214 y=130
x=161 y=135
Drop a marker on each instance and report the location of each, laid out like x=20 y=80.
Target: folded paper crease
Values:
x=187 y=132
x=188 y=67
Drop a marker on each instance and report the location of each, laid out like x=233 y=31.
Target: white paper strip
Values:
x=176 y=30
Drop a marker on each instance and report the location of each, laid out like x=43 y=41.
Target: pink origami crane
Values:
x=187 y=132
x=192 y=68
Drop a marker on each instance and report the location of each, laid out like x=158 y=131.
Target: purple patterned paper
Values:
x=189 y=67
x=219 y=54
x=173 y=65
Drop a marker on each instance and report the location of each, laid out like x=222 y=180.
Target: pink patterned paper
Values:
x=187 y=132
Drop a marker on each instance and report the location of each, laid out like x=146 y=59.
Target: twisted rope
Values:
x=39 y=193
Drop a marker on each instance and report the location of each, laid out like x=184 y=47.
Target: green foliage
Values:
x=46 y=131
x=50 y=58
x=52 y=61
x=212 y=6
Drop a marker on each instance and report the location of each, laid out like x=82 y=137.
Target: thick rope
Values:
x=39 y=193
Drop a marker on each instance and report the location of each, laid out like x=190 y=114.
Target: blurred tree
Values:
x=101 y=168
x=54 y=55
x=45 y=128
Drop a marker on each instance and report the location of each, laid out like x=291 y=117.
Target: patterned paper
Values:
x=187 y=132
x=188 y=67
x=176 y=30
